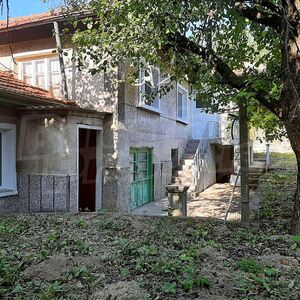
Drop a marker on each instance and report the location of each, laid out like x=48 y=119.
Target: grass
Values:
x=73 y=256
x=277 y=188
x=169 y=258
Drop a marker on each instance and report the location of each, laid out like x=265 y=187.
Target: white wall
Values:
x=203 y=124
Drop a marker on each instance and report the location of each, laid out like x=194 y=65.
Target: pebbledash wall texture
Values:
x=47 y=181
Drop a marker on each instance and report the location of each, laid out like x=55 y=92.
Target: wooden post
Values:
x=64 y=88
x=244 y=156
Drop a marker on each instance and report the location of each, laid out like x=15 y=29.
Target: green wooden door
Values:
x=141 y=177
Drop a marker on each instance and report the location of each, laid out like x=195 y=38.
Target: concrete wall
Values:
x=260 y=144
x=46 y=160
x=97 y=92
x=134 y=126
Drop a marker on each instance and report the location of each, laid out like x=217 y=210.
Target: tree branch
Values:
x=267 y=4
x=258 y=16
x=185 y=46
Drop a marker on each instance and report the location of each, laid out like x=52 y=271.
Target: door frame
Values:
x=150 y=166
x=99 y=154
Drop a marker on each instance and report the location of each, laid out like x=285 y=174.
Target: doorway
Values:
x=89 y=189
x=141 y=181
x=224 y=163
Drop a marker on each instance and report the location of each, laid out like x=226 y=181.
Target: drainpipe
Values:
x=64 y=88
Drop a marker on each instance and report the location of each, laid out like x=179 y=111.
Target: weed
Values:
x=249 y=265
x=295 y=242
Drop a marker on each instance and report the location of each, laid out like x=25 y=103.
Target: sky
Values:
x=28 y=7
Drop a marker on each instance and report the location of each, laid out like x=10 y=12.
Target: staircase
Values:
x=257 y=170
x=184 y=174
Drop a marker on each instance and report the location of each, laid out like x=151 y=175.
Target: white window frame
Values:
x=8 y=183
x=33 y=61
x=142 y=92
x=182 y=90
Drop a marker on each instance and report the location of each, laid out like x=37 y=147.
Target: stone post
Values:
x=177 y=196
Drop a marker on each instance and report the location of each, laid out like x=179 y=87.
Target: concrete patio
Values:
x=211 y=203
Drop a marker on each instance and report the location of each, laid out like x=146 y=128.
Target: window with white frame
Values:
x=42 y=72
x=8 y=181
x=182 y=103
x=149 y=87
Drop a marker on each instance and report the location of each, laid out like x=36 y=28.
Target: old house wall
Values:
x=47 y=151
x=138 y=127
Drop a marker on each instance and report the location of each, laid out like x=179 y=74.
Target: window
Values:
x=44 y=73
x=8 y=176
x=182 y=103
x=149 y=88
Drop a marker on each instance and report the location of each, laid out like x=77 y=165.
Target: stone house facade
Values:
x=107 y=146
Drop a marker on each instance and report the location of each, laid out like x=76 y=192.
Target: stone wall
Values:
x=42 y=193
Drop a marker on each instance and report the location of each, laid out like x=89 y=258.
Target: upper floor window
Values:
x=182 y=103
x=8 y=180
x=149 y=87
x=44 y=73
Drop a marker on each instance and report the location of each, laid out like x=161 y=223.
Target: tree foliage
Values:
x=215 y=44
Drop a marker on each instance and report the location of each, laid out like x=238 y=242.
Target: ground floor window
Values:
x=141 y=182
x=8 y=182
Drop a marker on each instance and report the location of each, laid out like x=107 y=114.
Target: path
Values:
x=212 y=203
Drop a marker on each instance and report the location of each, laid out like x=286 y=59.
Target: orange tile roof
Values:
x=13 y=22
x=12 y=86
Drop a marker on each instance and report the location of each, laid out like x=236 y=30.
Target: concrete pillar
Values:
x=177 y=196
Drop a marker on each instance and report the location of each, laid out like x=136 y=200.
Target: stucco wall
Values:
x=47 y=152
x=138 y=127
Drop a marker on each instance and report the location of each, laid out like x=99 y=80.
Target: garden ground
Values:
x=116 y=257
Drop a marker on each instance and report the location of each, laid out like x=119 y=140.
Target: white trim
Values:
x=33 y=61
x=142 y=83
x=181 y=88
x=35 y=53
x=6 y=193
x=150 y=108
x=99 y=147
x=8 y=159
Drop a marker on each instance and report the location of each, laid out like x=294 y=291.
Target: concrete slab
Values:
x=212 y=203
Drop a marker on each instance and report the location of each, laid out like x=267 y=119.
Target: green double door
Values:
x=141 y=186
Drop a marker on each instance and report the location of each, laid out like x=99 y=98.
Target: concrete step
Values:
x=187 y=162
x=190 y=150
x=182 y=180
x=185 y=168
x=253 y=186
x=188 y=156
x=262 y=159
x=253 y=181
x=259 y=155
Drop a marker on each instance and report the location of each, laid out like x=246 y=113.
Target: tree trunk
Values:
x=293 y=131
x=295 y=222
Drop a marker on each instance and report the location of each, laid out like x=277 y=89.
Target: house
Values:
x=105 y=145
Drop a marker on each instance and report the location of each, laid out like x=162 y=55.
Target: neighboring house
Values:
x=108 y=146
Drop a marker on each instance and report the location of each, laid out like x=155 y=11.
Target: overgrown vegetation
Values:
x=74 y=256
x=276 y=190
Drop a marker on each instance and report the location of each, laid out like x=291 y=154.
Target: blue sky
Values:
x=28 y=7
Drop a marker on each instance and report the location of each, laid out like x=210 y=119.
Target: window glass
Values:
x=27 y=72
x=44 y=73
x=54 y=77
x=40 y=73
x=182 y=103
x=150 y=80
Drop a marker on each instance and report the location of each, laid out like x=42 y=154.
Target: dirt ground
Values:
x=123 y=257
x=105 y=256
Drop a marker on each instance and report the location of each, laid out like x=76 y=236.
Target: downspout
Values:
x=64 y=88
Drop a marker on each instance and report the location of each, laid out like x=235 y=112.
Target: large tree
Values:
x=243 y=50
